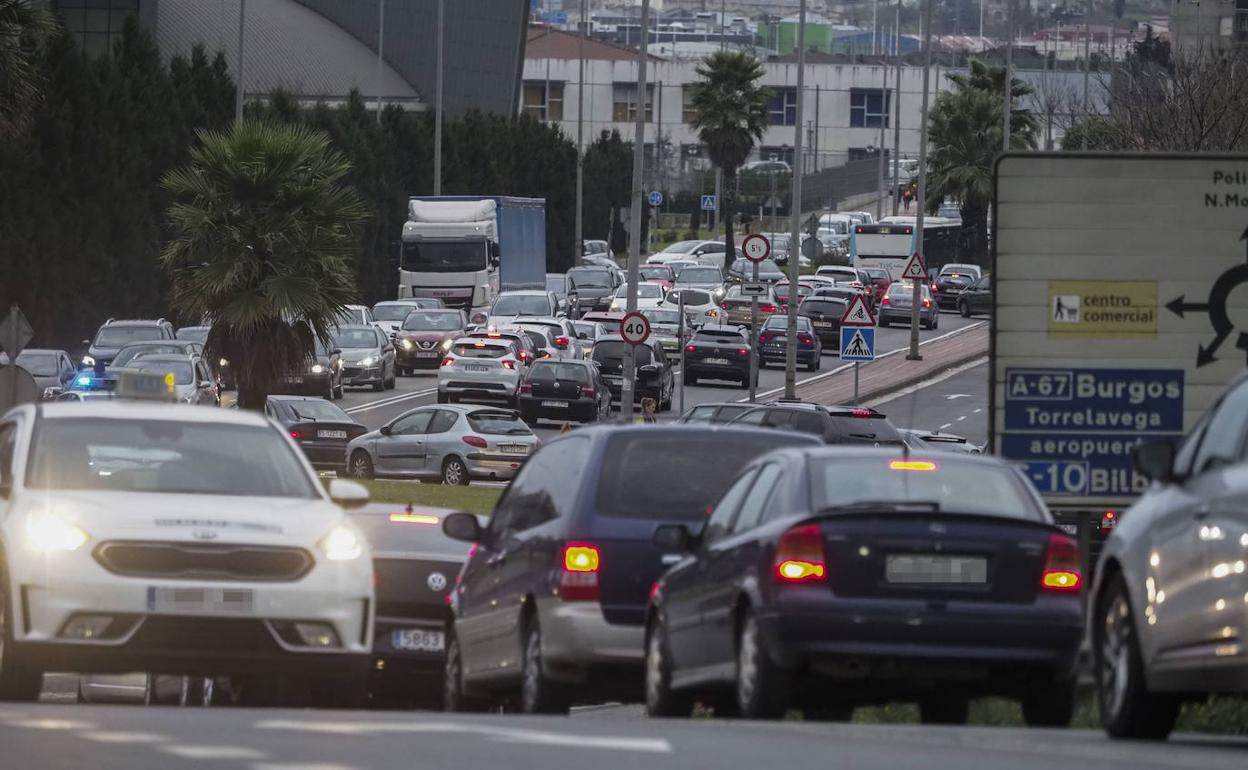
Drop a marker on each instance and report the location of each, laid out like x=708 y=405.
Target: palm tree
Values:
x=965 y=134
x=20 y=88
x=730 y=115
x=262 y=246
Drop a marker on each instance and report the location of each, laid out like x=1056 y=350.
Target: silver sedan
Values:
x=449 y=442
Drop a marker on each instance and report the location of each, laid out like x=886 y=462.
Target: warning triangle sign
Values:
x=858 y=314
x=914 y=269
x=858 y=347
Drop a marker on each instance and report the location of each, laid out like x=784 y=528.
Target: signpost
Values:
x=635 y=328
x=756 y=248
x=857 y=336
x=655 y=198
x=17 y=385
x=914 y=269
x=709 y=203
x=1109 y=331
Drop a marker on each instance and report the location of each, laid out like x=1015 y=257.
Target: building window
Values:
x=95 y=24
x=782 y=106
x=543 y=104
x=868 y=107
x=624 y=103
x=686 y=104
x=1239 y=29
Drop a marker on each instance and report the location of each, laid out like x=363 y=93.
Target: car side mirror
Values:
x=336 y=352
x=87 y=343
x=1155 y=461
x=348 y=494
x=384 y=430
x=462 y=526
x=674 y=537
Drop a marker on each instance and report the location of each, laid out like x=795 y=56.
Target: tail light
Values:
x=766 y=308
x=510 y=364
x=562 y=341
x=1109 y=520
x=743 y=352
x=764 y=337
x=884 y=300
x=799 y=556
x=448 y=360
x=806 y=339
x=691 y=348
x=526 y=387
x=297 y=435
x=1061 y=566
x=724 y=305
x=927 y=302
x=935 y=287
x=476 y=441
x=579 y=580
x=587 y=391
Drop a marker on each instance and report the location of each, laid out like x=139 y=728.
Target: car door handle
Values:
x=668 y=559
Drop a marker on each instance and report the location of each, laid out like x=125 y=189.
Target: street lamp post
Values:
x=580 y=130
x=238 y=91
x=437 y=125
x=629 y=386
x=917 y=296
x=795 y=212
x=381 y=44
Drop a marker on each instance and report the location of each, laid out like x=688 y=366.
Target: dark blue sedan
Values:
x=829 y=578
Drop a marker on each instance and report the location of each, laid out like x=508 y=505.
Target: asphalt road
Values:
x=376 y=409
x=955 y=402
x=127 y=738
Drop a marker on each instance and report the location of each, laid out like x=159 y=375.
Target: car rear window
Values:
x=692 y=297
x=826 y=307
x=479 y=350
x=873 y=429
x=498 y=424
x=414 y=532
x=732 y=337
x=636 y=459
x=549 y=372
x=954 y=485
x=317 y=410
x=613 y=351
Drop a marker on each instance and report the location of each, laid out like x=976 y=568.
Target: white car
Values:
x=701 y=306
x=200 y=542
x=480 y=369
x=355 y=315
x=648 y=295
x=688 y=250
x=390 y=315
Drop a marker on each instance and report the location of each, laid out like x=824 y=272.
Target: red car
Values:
x=660 y=274
x=880 y=281
x=804 y=290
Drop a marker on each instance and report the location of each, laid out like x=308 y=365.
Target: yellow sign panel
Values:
x=1103 y=309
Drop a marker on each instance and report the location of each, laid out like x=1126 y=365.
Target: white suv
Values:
x=480 y=369
x=199 y=542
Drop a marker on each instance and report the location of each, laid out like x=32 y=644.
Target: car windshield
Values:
x=644 y=291
x=590 y=279
x=194 y=333
x=408 y=530
x=317 y=410
x=589 y=329
x=128 y=354
x=823 y=307
x=166 y=456
x=444 y=256
x=547 y=371
x=954 y=485
x=635 y=455
x=498 y=424
x=426 y=321
x=118 y=336
x=657 y=316
x=480 y=349
x=611 y=352
x=352 y=315
x=356 y=338
x=681 y=247
x=522 y=304
x=391 y=312
x=699 y=275
x=39 y=364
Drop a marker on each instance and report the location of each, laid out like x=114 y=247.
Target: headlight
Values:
x=317 y=368
x=48 y=532
x=223 y=362
x=447 y=343
x=407 y=344
x=368 y=361
x=342 y=544
x=88 y=361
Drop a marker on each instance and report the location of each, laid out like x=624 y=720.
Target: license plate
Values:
x=929 y=570
x=823 y=324
x=427 y=354
x=475 y=368
x=199 y=600
x=555 y=404
x=417 y=640
x=331 y=434
x=295 y=380
x=612 y=378
x=722 y=361
x=513 y=449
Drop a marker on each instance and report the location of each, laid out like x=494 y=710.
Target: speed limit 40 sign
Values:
x=635 y=328
x=756 y=247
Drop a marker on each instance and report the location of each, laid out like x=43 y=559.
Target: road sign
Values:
x=857 y=343
x=15 y=332
x=635 y=328
x=756 y=247
x=655 y=198
x=1101 y=344
x=858 y=314
x=753 y=290
x=914 y=268
x=709 y=203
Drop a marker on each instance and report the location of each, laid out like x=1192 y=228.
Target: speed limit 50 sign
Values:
x=635 y=328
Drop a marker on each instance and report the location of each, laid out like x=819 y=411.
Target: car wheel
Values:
x=964 y=309
x=661 y=700
x=453 y=696
x=538 y=694
x=198 y=691
x=690 y=379
x=884 y=322
x=454 y=472
x=17 y=681
x=443 y=398
x=936 y=321
x=951 y=710
x=393 y=381
x=361 y=465
x=1128 y=709
x=338 y=391
x=380 y=386
x=330 y=394
x=763 y=688
x=1051 y=704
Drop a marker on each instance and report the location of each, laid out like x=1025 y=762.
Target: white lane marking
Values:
x=299 y=766
x=846 y=367
x=955 y=396
x=488 y=732
x=104 y=736
x=963 y=417
x=53 y=724
x=213 y=752
x=954 y=372
x=976 y=411
x=383 y=402
x=946 y=425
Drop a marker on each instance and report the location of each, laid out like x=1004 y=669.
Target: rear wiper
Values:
x=883 y=506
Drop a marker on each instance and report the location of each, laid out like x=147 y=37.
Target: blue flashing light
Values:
x=84 y=381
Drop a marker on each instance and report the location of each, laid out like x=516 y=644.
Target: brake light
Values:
x=476 y=441
x=912 y=465
x=862 y=413
x=414 y=518
x=579 y=579
x=478 y=344
x=691 y=348
x=927 y=302
x=526 y=387
x=1061 y=565
x=724 y=305
x=766 y=308
x=510 y=364
x=764 y=337
x=806 y=339
x=297 y=435
x=884 y=300
x=448 y=360
x=1108 y=521
x=743 y=352
x=562 y=341
x=935 y=287
x=587 y=391
x=524 y=355
x=799 y=556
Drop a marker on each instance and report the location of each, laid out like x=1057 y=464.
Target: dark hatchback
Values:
x=715 y=413
x=947 y=287
x=774 y=337
x=654 y=373
x=825 y=314
x=832 y=424
x=320 y=428
x=552 y=600
x=832 y=578
x=415 y=566
x=718 y=353
x=564 y=390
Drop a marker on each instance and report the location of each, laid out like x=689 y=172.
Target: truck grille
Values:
x=192 y=561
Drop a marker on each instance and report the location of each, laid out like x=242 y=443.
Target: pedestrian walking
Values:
x=907 y=195
x=647 y=411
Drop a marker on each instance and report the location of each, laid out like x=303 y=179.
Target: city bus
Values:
x=890 y=242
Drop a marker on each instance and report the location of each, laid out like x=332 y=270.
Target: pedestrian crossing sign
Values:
x=914 y=269
x=857 y=343
x=858 y=314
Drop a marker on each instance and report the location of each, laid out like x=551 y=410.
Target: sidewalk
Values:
x=892 y=371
